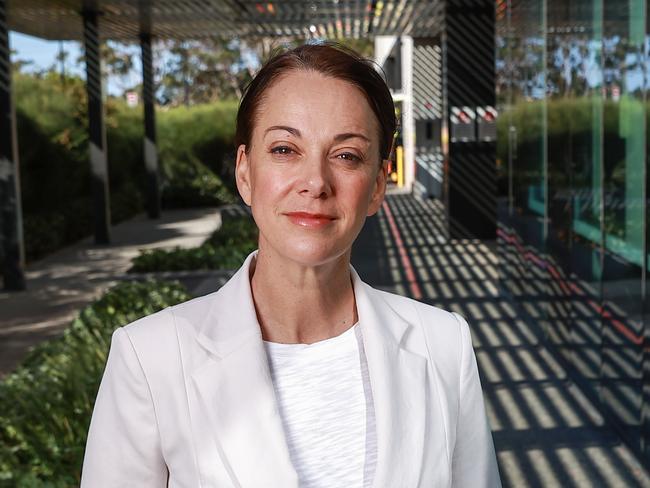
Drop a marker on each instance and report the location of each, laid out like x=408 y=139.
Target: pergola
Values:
x=93 y=21
x=191 y=19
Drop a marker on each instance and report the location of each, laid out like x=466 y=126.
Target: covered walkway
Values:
x=418 y=43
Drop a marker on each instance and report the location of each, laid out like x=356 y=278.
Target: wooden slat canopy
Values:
x=191 y=19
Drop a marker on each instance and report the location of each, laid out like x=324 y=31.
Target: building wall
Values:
x=427 y=116
x=394 y=55
x=572 y=80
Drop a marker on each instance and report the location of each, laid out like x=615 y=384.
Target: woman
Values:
x=296 y=372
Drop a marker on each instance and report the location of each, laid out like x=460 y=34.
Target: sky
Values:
x=43 y=55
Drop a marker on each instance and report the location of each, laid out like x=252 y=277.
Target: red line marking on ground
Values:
x=403 y=254
x=619 y=325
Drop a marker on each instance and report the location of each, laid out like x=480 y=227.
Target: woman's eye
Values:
x=281 y=150
x=349 y=157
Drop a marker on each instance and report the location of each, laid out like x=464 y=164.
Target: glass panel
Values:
x=523 y=146
x=573 y=77
x=645 y=411
x=586 y=80
x=566 y=137
x=624 y=212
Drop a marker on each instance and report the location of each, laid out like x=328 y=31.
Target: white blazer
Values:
x=187 y=400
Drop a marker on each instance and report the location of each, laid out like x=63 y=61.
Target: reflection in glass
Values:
x=573 y=78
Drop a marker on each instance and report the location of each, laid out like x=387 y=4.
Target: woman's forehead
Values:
x=312 y=99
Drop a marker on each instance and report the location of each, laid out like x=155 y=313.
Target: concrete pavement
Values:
x=64 y=282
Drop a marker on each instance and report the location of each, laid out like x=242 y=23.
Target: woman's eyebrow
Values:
x=290 y=130
x=350 y=135
x=337 y=138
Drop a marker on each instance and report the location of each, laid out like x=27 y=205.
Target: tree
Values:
x=202 y=71
x=119 y=62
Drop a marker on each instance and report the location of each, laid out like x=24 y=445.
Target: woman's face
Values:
x=312 y=173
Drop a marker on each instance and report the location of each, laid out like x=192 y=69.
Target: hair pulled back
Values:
x=329 y=59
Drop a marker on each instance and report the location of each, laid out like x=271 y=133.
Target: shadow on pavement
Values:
x=546 y=431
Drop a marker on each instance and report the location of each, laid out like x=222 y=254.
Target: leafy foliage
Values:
x=197 y=152
x=55 y=176
x=225 y=249
x=203 y=71
x=53 y=153
x=46 y=404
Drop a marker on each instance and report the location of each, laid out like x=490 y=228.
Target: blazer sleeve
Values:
x=473 y=461
x=123 y=446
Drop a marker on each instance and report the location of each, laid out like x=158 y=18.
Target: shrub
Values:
x=205 y=132
x=226 y=248
x=195 y=146
x=46 y=404
x=189 y=183
x=56 y=190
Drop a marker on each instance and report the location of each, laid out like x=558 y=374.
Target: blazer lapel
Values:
x=236 y=391
x=398 y=382
x=238 y=405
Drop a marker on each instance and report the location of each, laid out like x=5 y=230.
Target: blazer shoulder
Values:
x=164 y=321
x=159 y=342
x=159 y=339
x=444 y=333
x=433 y=319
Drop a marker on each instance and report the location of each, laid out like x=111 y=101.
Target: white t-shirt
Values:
x=324 y=397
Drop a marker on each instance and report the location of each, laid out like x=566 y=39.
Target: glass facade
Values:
x=572 y=80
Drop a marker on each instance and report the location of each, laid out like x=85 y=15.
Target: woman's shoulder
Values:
x=163 y=341
x=162 y=344
x=430 y=317
x=445 y=334
x=165 y=320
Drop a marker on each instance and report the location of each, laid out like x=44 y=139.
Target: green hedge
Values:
x=195 y=149
x=226 y=248
x=46 y=404
x=561 y=118
x=196 y=146
x=205 y=132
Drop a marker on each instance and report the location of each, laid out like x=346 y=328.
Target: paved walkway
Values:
x=546 y=432
x=61 y=284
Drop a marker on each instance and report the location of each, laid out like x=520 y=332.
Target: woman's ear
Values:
x=242 y=174
x=379 y=190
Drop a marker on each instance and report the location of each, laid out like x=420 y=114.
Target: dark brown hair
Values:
x=332 y=60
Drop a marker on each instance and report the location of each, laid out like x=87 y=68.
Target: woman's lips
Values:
x=305 y=219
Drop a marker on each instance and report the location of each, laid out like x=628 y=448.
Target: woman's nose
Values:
x=316 y=178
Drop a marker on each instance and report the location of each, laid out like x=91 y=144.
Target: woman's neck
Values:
x=301 y=304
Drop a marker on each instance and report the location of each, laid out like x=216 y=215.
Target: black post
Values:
x=470 y=92
x=96 y=129
x=150 y=149
x=12 y=247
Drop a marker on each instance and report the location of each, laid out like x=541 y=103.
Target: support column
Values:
x=11 y=222
x=96 y=129
x=468 y=70
x=150 y=149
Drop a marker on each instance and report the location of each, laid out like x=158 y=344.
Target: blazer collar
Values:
x=398 y=383
x=231 y=320
x=239 y=400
